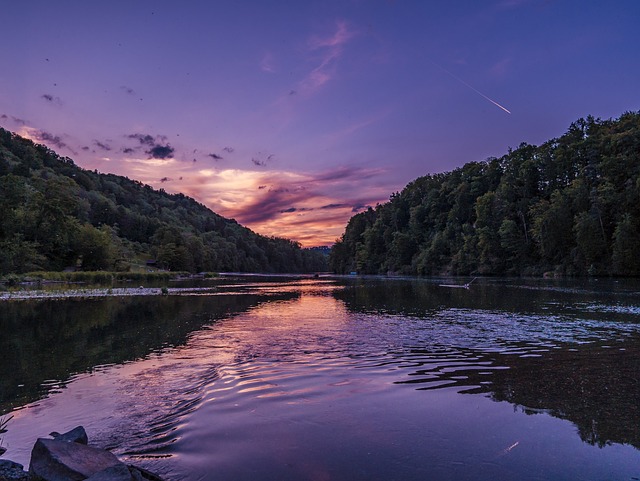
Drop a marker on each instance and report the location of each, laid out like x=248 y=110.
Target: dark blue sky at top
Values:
x=292 y=115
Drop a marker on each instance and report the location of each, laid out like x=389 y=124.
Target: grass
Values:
x=94 y=277
x=89 y=277
x=4 y=420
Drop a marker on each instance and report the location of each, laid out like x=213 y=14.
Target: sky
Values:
x=290 y=116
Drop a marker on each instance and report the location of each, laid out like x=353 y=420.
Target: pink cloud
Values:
x=341 y=36
x=310 y=208
x=322 y=54
x=331 y=49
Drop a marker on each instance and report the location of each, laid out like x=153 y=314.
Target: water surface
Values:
x=338 y=379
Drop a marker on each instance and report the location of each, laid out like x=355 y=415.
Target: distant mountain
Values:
x=570 y=206
x=56 y=215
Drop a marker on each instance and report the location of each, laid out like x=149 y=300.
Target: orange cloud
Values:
x=312 y=208
x=309 y=207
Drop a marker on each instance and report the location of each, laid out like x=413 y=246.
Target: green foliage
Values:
x=570 y=206
x=56 y=216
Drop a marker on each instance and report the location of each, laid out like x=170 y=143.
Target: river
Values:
x=259 y=378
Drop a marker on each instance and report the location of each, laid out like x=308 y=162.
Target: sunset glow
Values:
x=290 y=118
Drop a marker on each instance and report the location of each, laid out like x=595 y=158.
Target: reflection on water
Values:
x=340 y=379
x=43 y=342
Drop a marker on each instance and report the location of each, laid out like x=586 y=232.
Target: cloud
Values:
x=312 y=208
x=159 y=147
x=102 y=145
x=347 y=174
x=127 y=90
x=341 y=36
x=331 y=49
x=44 y=137
x=48 y=138
x=161 y=152
x=144 y=139
x=290 y=210
x=260 y=160
x=229 y=150
x=270 y=204
x=266 y=64
x=14 y=120
x=301 y=194
x=335 y=206
x=358 y=207
x=51 y=99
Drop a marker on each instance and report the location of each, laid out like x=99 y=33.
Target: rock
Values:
x=55 y=460
x=140 y=474
x=11 y=471
x=114 y=473
x=76 y=435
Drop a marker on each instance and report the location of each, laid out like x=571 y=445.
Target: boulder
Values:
x=114 y=473
x=76 y=435
x=140 y=474
x=55 y=460
x=11 y=471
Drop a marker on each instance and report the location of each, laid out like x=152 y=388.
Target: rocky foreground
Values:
x=68 y=457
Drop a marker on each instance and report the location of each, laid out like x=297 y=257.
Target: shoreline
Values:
x=40 y=294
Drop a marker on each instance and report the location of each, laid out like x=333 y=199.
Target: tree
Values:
x=93 y=247
x=591 y=244
x=626 y=246
x=570 y=205
x=550 y=229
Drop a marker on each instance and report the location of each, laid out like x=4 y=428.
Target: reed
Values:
x=4 y=420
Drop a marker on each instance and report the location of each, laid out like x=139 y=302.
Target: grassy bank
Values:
x=95 y=277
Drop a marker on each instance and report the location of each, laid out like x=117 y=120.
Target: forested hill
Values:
x=55 y=215
x=570 y=206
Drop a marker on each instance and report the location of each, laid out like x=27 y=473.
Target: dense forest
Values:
x=570 y=206
x=56 y=215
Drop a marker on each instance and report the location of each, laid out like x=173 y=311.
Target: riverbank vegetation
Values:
x=103 y=278
x=570 y=206
x=57 y=216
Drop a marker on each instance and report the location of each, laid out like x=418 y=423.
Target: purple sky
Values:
x=290 y=116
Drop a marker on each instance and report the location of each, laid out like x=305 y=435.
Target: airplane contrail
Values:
x=472 y=88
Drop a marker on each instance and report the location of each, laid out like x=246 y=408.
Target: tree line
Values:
x=56 y=215
x=570 y=206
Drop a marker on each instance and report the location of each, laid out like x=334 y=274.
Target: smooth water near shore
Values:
x=337 y=379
